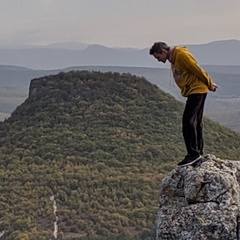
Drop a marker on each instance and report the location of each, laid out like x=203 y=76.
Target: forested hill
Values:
x=99 y=143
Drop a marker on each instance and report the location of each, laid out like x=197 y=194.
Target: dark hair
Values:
x=158 y=47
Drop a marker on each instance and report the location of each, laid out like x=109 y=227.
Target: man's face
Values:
x=161 y=57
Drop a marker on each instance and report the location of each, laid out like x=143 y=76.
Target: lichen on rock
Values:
x=200 y=202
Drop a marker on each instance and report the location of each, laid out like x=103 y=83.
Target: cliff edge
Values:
x=200 y=202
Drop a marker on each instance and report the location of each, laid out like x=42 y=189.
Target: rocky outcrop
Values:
x=201 y=202
x=39 y=86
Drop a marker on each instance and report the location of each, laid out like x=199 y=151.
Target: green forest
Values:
x=100 y=143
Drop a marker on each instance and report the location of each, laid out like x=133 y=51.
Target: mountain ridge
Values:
x=221 y=106
x=58 y=56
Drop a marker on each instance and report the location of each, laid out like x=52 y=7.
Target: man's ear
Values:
x=164 y=51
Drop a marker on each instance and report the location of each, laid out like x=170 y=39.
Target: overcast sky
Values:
x=118 y=23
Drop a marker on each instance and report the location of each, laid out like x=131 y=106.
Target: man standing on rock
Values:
x=194 y=83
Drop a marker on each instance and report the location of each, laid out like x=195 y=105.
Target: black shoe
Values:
x=188 y=160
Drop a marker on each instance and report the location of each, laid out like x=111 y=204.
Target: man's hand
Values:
x=214 y=87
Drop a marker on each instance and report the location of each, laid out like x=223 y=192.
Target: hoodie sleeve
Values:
x=190 y=64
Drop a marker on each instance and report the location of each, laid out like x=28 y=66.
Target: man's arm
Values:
x=191 y=65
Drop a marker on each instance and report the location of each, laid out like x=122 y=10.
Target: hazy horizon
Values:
x=126 y=23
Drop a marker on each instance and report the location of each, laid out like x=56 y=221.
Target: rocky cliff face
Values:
x=38 y=86
x=201 y=202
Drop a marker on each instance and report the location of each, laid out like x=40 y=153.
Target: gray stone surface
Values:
x=200 y=202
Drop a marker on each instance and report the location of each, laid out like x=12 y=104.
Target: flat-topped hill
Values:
x=99 y=143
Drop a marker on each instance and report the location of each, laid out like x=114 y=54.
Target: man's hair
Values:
x=158 y=47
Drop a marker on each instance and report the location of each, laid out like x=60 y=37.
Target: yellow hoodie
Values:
x=188 y=75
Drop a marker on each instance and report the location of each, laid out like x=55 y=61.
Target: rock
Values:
x=200 y=202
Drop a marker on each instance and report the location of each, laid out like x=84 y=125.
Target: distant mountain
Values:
x=62 y=55
x=59 y=45
x=99 y=143
x=224 y=52
x=67 y=45
x=15 y=76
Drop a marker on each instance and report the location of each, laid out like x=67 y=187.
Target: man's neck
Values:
x=170 y=54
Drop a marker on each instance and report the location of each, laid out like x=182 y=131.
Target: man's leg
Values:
x=192 y=114
x=200 y=125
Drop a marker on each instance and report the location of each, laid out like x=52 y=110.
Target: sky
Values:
x=118 y=23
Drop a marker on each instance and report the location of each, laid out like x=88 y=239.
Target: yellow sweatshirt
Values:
x=188 y=75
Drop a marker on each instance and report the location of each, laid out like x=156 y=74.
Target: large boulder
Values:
x=200 y=202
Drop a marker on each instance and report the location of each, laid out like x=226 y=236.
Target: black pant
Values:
x=192 y=124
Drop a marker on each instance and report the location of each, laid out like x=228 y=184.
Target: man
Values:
x=194 y=83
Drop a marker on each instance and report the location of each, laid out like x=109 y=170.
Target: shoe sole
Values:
x=188 y=164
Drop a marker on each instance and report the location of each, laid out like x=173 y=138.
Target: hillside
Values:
x=99 y=143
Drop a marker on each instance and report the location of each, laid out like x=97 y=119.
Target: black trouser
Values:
x=192 y=124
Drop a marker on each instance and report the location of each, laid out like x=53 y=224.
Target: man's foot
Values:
x=189 y=160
